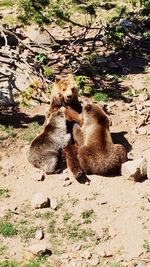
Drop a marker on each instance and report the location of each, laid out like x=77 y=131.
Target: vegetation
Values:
x=2 y=249
x=9 y=130
x=7 y=229
x=9 y=263
x=4 y=192
x=146 y=246
x=87 y=215
x=100 y=96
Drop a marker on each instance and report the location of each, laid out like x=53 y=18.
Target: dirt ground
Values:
x=106 y=223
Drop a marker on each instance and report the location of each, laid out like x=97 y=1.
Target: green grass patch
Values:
x=9 y=263
x=7 y=3
x=9 y=130
x=52 y=226
x=4 y=193
x=146 y=246
x=45 y=216
x=30 y=133
x=128 y=93
x=37 y=261
x=100 y=96
x=87 y=215
x=7 y=229
x=67 y=216
x=74 y=232
x=2 y=249
x=27 y=232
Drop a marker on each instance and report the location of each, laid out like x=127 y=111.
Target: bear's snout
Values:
x=68 y=98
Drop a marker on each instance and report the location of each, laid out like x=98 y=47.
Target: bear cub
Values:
x=45 y=150
x=96 y=152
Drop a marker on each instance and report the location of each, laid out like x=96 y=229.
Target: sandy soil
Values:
x=117 y=224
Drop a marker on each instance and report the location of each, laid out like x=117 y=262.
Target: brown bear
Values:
x=65 y=93
x=96 y=152
x=45 y=150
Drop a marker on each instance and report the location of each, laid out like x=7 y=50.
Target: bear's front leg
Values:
x=78 y=135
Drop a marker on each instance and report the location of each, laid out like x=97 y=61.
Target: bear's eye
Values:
x=63 y=89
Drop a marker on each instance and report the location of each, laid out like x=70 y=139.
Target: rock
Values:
x=67 y=183
x=4 y=136
x=133 y=113
x=147 y=156
x=40 y=200
x=135 y=169
x=65 y=258
x=142 y=131
x=94 y=261
x=77 y=247
x=134 y=130
x=143 y=97
x=38 y=175
x=127 y=99
x=139 y=107
x=53 y=203
x=86 y=255
x=39 y=234
x=39 y=249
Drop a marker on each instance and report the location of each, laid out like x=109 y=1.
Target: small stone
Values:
x=67 y=183
x=142 y=131
x=39 y=249
x=134 y=130
x=77 y=247
x=39 y=234
x=87 y=183
x=133 y=113
x=53 y=204
x=86 y=255
x=139 y=107
x=40 y=200
x=40 y=178
x=94 y=261
x=147 y=156
x=135 y=169
x=143 y=97
x=4 y=136
x=127 y=99
x=65 y=171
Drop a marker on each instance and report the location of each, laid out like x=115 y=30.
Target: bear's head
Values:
x=66 y=88
x=56 y=120
x=93 y=113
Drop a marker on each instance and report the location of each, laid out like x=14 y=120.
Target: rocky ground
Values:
x=54 y=221
x=105 y=223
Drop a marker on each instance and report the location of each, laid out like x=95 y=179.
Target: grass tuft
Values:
x=7 y=229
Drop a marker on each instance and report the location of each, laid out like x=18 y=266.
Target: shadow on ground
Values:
x=19 y=119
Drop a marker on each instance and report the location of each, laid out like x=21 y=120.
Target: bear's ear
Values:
x=58 y=78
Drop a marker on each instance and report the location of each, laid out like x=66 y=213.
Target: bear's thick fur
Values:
x=45 y=150
x=96 y=152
